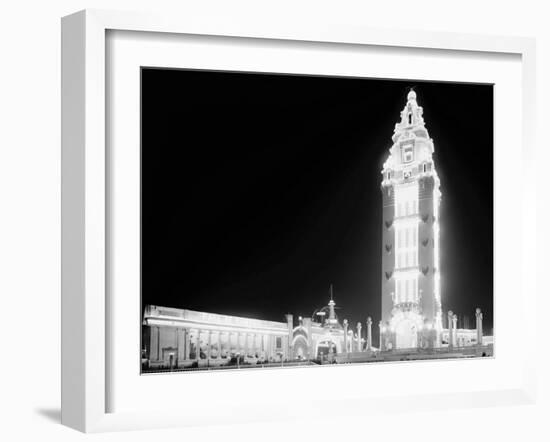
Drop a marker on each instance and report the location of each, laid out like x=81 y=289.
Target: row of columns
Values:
x=243 y=348
x=479 y=326
x=452 y=320
x=358 y=347
x=182 y=344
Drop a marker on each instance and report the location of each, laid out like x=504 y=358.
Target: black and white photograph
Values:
x=242 y=221
x=300 y=220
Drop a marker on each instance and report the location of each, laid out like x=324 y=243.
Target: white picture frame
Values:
x=86 y=314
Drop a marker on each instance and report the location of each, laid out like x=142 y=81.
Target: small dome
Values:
x=411 y=95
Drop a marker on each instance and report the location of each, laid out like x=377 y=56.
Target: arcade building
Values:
x=411 y=319
x=180 y=338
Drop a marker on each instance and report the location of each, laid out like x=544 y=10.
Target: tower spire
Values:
x=331 y=304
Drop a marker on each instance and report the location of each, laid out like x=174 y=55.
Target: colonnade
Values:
x=193 y=344
x=243 y=343
x=452 y=321
x=355 y=344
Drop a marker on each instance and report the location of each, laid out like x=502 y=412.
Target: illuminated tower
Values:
x=411 y=300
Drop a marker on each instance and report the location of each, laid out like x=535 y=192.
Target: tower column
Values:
x=154 y=345
x=289 y=323
x=181 y=332
x=479 y=326
x=345 y=335
x=369 y=333
x=455 y=337
x=198 y=346
x=359 y=347
x=380 y=336
x=451 y=329
x=187 y=344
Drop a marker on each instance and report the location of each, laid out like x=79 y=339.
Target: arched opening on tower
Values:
x=406 y=335
x=300 y=348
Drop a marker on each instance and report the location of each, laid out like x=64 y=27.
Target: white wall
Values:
x=30 y=203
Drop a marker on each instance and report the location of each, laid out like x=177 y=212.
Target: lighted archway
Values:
x=406 y=334
x=300 y=347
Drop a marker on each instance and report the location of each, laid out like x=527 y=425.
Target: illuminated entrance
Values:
x=300 y=347
x=406 y=334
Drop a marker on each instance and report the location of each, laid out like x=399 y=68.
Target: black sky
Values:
x=258 y=191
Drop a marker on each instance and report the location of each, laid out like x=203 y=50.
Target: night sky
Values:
x=260 y=190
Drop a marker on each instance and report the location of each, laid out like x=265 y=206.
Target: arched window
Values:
x=407 y=152
x=410 y=118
